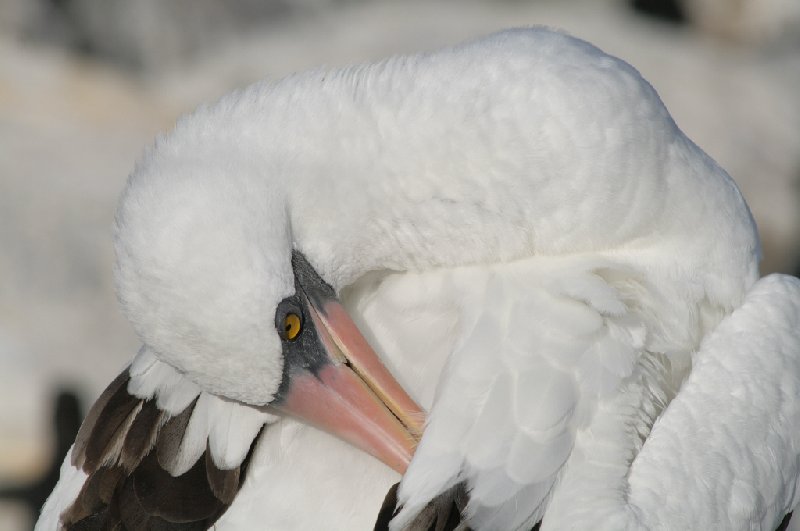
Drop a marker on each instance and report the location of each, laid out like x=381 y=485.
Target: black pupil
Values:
x=288 y=326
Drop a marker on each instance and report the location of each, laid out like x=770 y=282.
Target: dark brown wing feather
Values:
x=105 y=405
x=443 y=513
x=123 y=446
x=141 y=435
x=388 y=510
x=171 y=436
x=224 y=484
x=182 y=499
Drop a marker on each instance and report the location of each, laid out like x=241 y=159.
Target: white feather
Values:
x=152 y=378
x=233 y=430
x=69 y=484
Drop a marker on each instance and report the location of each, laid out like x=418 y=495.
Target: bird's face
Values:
x=332 y=379
x=208 y=274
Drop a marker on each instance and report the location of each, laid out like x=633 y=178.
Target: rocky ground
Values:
x=71 y=126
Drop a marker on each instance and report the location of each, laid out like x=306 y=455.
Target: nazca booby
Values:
x=536 y=251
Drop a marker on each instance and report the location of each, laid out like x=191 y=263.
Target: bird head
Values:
x=209 y=274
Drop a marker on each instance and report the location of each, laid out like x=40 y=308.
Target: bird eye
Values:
x=292 y=325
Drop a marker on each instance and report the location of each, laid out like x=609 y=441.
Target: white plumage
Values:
x=536 y=251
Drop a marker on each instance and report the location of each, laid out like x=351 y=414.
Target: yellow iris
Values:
x=292 y=326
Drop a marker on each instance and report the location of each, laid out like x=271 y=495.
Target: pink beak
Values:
x=354 y=396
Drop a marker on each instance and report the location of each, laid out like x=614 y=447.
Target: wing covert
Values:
x=158 y=452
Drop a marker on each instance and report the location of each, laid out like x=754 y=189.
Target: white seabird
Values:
x=534 y=248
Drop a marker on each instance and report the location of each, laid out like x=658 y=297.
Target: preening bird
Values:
x=511 y=233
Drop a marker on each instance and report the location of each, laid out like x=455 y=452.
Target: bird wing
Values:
x=549 y=338
x=738 y=413
x=154 y=451
x=725 y=454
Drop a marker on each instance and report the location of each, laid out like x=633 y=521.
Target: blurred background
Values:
x=86 y=84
